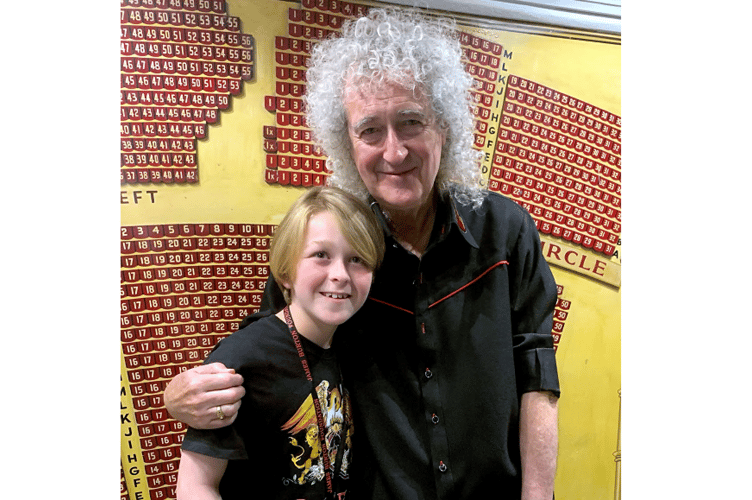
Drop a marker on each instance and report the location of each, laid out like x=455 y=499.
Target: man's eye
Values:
x=411 y=125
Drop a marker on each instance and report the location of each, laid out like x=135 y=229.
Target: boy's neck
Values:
x=321 y=335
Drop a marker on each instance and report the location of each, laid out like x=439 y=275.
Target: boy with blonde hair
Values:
x=292 y=437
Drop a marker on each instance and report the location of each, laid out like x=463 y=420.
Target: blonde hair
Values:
x=355 y=220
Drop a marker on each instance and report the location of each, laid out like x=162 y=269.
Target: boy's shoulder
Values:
x=261 y=328
x=252 y=343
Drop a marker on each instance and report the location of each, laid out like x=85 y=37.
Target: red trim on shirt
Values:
x=391 y=305
x=460 y=222
x=502 y=262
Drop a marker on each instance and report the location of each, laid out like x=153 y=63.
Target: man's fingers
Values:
x=213 y=418
x=226 y=397
x=212 y=368
x=217 y=380
x=233 y=409
x=227 y=415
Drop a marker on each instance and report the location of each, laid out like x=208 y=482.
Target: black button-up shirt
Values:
x=438 y=358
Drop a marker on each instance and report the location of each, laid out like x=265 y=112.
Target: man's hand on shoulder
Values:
x=205 y=397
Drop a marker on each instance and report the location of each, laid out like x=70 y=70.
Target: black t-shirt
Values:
x=273 y=447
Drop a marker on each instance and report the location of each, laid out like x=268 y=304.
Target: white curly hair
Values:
x=404 y=47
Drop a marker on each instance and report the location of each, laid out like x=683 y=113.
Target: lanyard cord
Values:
x=317 y=405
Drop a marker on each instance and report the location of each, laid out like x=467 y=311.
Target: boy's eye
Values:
x=320 y=254
x=359 y=261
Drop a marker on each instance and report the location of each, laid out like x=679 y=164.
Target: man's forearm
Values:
x=538 y=444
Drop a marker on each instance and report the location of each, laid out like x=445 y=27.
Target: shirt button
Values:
x=429 y=373
x=442 y=467
x=435 y=419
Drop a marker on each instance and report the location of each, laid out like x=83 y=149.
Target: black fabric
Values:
x=439 y=356
x=276 y=416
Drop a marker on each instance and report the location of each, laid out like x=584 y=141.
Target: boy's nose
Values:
x=338 y=270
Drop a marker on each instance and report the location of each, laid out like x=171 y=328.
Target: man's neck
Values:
x=412 y=229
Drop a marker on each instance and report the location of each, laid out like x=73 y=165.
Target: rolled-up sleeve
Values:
x=533 y=291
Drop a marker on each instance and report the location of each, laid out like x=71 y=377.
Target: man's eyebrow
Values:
x=363 y=122
x=400 y=114
x=411 y=112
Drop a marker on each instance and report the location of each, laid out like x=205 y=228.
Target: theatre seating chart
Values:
x=181 y=61
x=561 y=311
x=187 y=285
x=184 y=287
x=560 y=158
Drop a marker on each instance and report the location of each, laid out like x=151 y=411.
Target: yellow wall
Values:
x=589 y=358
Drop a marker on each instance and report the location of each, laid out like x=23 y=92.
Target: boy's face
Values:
x=331 y=281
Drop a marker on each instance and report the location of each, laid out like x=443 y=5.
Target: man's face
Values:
x=396 y=145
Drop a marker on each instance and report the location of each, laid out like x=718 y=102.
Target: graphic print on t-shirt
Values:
x=305 y=445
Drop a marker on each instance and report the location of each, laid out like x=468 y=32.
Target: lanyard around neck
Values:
x=329 y=471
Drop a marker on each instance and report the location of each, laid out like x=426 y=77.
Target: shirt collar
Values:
x=376 y=209
x=458 y=215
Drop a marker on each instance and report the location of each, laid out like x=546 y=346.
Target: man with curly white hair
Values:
x=450 y=362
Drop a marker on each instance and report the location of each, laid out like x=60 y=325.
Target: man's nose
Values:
x=395 y=151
